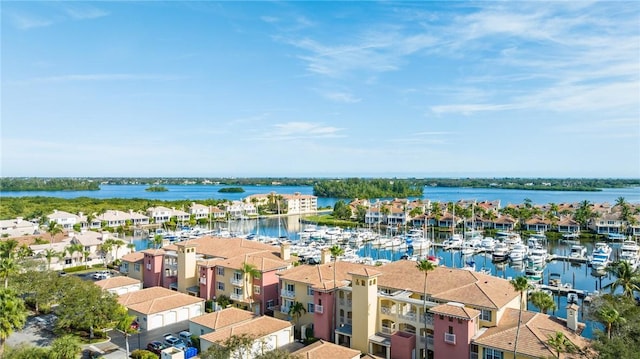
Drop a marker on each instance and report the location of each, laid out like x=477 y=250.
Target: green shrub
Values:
x=75 y=269
x=143 y=354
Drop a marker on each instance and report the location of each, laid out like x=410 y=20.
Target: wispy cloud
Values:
x=341 y=97
x=301 y=130
x=84 y=12
x=27 y=21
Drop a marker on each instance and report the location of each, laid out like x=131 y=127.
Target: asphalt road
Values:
x=146 y=336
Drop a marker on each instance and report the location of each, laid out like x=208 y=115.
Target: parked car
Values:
x=185 y=336
x=103 y=274
x=155 y=347
x=172 y=341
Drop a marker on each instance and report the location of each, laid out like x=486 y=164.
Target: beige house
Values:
x=210 y=322
x=131 y=265
x=119 y=285
x=157 y=307
x=268 y=333
x=17 y=227
x=323 y=349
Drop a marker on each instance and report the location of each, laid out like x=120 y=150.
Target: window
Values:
x=125 y=266
x=309 y=290
x=238 y=291
x=485 y=315
x=492 y=354
x=220 y=270
x=136 y=267
x=291 y=287
x=220 y=286
x=310 y=308
x=270 y=304
x=450 y=330
x=256 y=289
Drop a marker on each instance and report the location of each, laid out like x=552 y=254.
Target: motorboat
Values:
x=454 y=242
x=500 y=252
x=572 y=297
x=518 y=252
x=538 y=255
x=578 y=252
x=630 y=253
x=487 y=243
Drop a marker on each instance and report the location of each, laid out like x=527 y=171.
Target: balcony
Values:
x=346 y=302
x=449 y=338
x=284 y=309
x=318 y=309
x=235 y=296
x=409 y=316
x=288 y=293
x=203 y=280
x=388 y=330
x=388 y=310
x=237 y=282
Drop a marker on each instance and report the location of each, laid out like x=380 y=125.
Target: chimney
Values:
x=285 y=251
x=325 y=256
x=572 y=316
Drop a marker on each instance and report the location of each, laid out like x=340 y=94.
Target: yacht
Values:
x=500 y=252
x=512 y=239
x=538 y=254
x=518 y=252
x=630 y=253
x=578 y=252
x=487 y=244
x=454 y=242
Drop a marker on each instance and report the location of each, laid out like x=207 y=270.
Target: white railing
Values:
x=284 y=309
x=318 y=309
x=203 y=280
x=449 y=338
x=236 y=282
x=235 y=296
x=409 y=315
x=388 y=330
x=288 y=293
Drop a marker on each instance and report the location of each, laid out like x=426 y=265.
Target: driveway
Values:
x=146 y=336
x=35 y=332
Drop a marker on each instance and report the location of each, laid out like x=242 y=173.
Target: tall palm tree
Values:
x=157 y=241
x=117 y=244
x=8 y=248
x=520 y=284
x=610 y=316
x=542 y=301
x=626 y=278
x=53 y=229
x=336 y=251
x=296 y=311
x=65 y=347
x=49 y=254
x=425 y=266
x=13 y=315
x=560 y=343
x=73 y=249
x=249 y=272
x=8 y=267
x=123 y=325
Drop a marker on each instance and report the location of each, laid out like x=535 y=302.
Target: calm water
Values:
x=443 y=194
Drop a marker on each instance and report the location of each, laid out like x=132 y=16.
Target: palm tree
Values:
x=73 y=249
x=560 y=343
x=8 y=267
x=542 y=301
x=85 y=255
x=249 y=272
x=118 y=243
x=610 y=316
x=49 y=254
x=157 y=241
x=123 y=325
x=296 y=311
x=53 y=229
x=336 y=251
x=626 y=277
x=8 y=247
x=425 y=266
x=13 y=315
x=520 y=284
x=65 y=347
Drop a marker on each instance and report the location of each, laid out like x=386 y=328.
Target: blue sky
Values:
x=422 y=89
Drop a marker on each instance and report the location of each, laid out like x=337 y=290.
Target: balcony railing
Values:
x=409 y=316
x=203 y=280
x=284 y=309
x=235 y=296
x=388 y=310
x=388 y=330
x=318 y=308
x=288 y=293
x=237 y=282
x=449 y=338
x=346 y=302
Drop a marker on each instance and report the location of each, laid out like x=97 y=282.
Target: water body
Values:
x=442 y=194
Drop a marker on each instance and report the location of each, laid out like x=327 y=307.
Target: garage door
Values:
x=156 y=321
x=196 y=311
x=183 y=314
x=170 y=318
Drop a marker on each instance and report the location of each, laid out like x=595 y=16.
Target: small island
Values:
x=231 y=190
x=156 y=189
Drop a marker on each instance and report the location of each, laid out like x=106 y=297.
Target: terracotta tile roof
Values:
x=320 y=277
x=257 y=328
x=263 y=261
x=228 y=247
x=458 y=311
x=322 y=349
x=154 y=252
x=156 y=300
x=448 y=284
x=534 y=333
x=133 y=257
x=223 y=318
x=116 y=282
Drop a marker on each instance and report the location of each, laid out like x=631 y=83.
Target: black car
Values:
x=155 y=347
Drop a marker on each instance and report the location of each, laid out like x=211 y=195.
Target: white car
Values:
x=104 y=274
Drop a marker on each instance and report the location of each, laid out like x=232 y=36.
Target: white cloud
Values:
x=85 y=12
x=341 y=97
x=25 y=22
x=301 y=130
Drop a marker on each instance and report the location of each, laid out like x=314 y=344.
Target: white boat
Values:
x=454 y=242
x=630 y=253
x=500 y=252
x=571 y=237
x=601 y=248
x=578 y=252
x=467 y=249
x=538 y=255
x=518 y=252
x=616 y=236
x=487 y=244
x=512 y=239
